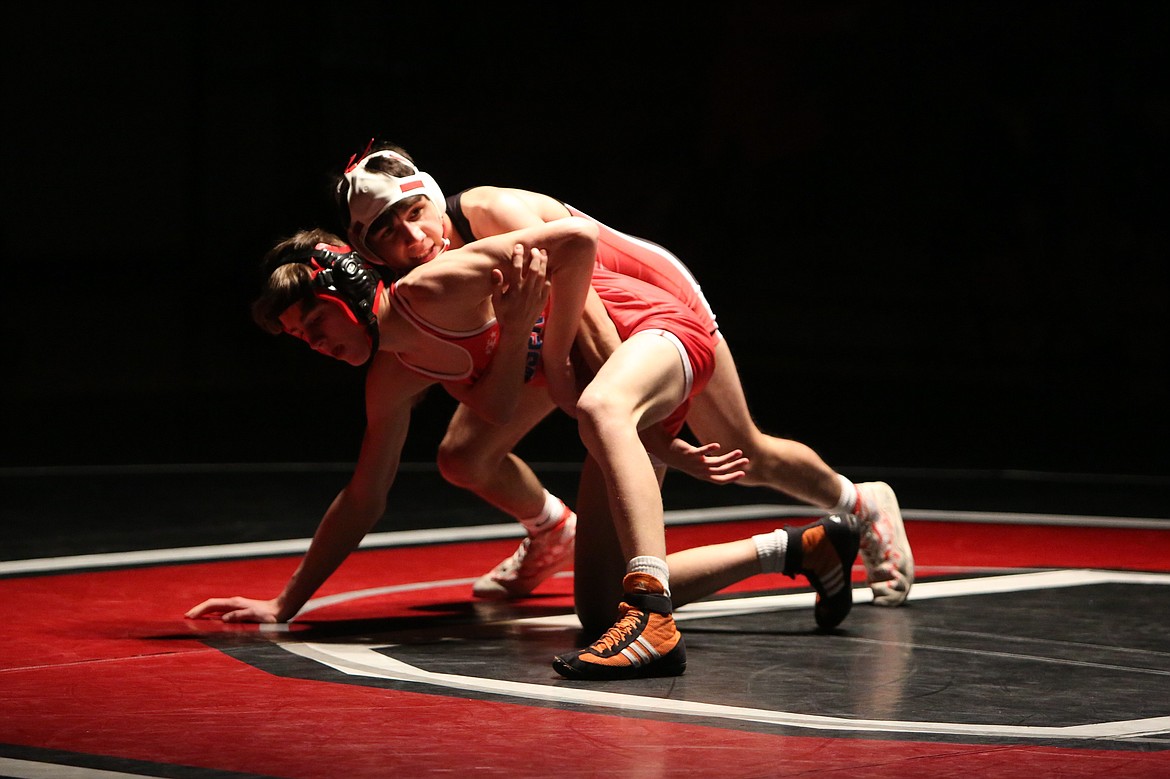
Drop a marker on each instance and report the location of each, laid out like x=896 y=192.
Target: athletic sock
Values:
x=850 y=500
x=652 y=566
x=550 y=516
x=772 y=550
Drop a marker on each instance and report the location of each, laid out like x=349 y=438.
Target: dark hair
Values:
x=285 y=284
x=386 y=165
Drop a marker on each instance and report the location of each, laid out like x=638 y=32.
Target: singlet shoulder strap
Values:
x=440 y=336
x=420 y=323
x=458 y=220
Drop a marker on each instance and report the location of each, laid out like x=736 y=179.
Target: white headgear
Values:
x=371 y=194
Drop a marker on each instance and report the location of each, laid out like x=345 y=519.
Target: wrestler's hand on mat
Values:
x=237 y=609
x=705 y=463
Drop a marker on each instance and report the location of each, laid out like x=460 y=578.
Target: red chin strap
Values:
x=371 y=329
x=349 y=314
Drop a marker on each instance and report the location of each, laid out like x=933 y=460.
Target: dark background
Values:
x=935 y=233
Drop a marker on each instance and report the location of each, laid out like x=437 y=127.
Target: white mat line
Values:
x=514 y=530
x=30 y=769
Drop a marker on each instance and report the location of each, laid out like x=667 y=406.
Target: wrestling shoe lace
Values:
x=643 y=642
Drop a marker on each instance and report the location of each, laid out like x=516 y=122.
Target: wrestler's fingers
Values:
x=518 y=262
x=738 y=464
x=727 y=478
x=248 y=615
x=734 y=456
x=211 y=607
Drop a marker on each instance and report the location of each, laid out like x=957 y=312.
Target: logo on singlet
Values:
x=535 y=342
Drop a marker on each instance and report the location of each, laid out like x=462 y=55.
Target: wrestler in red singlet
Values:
x=649 y=262
x=628 y=255
x=478 y=345
x=634 y=306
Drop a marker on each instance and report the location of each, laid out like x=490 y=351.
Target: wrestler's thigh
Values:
x=644 y=376
x=720 y=412
x=468 y=434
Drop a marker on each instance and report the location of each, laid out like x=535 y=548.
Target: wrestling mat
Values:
x=1032 y=646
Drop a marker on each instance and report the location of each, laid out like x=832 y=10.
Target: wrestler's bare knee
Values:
x=466 y=464
x=599 y=412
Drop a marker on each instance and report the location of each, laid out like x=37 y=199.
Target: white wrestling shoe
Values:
x=889 y=563
x=537 y=558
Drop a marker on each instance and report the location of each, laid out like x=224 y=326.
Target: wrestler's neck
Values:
x=450 y=234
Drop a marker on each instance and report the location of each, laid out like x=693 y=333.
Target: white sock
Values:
x=771 y=549
x=850 y=500
x=554 y=509
x=654 y=566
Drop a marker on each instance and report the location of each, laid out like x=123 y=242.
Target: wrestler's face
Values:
x=329 y=329
x=407 y=236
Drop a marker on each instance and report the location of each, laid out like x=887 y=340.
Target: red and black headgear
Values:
x=341 y=276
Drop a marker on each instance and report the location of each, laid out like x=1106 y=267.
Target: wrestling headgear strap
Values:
x=372 y=194
x=340 y=275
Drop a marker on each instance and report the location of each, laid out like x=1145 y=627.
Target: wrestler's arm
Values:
x=491 y=210
x=443 y=290
x=495 y=210
x=518 y=298
x=390 y=393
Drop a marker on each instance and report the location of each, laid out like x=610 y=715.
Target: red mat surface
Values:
x=101 y=666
